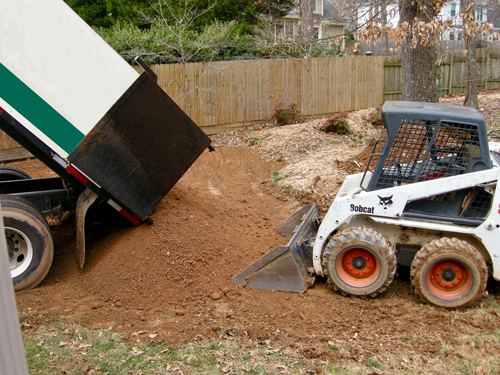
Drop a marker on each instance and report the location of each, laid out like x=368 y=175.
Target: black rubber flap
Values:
x=141 y=148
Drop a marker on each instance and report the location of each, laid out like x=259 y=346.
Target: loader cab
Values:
x=429 y=141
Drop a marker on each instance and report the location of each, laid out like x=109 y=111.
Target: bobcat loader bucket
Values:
x=286 y=268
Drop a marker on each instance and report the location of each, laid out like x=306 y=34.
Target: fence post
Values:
x=450 y=74
x=485 y=70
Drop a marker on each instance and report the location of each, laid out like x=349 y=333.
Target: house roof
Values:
x=330 y=14
x=494 y=18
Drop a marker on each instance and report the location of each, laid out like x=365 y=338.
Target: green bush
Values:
x=375 y=117
x=159 y=44
x=336 y=124
x=286 y=114
x=278 y=176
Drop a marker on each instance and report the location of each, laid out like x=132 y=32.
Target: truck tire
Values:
x=29 y=242
x=449 y=273
x=8 y=173
x=360 y=262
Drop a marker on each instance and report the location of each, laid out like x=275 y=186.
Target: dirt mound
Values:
x=214 y=220
x=217 y=219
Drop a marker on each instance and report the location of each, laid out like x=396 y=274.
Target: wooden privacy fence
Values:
x=232 y=94
x=10 y=149
x=452 y=68
x=224 y=95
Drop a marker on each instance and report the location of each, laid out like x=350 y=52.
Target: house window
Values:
x=280 y=32
x=480 y=16
x=317 y=6
x=289 y=32
x=453 y=11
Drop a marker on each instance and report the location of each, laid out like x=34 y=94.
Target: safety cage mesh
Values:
x=478 y=205
x=426 y=150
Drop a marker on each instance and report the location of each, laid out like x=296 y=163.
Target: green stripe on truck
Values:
x=38 y=111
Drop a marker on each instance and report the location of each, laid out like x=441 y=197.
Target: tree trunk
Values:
x=419 y=71
x=385 y=38
x=471 y=99
x=306 y=19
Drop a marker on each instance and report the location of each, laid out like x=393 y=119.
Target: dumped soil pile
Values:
x=172 y=280
x=214 y=220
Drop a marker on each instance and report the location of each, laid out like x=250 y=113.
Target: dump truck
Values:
x=111 y=134
x=427 y=200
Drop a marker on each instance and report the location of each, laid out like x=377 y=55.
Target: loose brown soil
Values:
x=173 y=278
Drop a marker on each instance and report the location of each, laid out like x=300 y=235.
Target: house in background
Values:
x=367 y=11
x=451 y=10
x=327 y=23
x=494 y=18
x=451 y=39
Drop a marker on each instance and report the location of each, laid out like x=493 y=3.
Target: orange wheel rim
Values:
x=449 y=279
x=358 y=267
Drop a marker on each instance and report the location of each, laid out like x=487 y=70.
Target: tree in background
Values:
x=385 y=34
x=420 y=30
x=306 y=19
x=170 y=31
x=473 y=30
x=468 y=20
x=419 y=70
x=105 y=13
x=246 y=13
x=178 y=37
x=277 y=40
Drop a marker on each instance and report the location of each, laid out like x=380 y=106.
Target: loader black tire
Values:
x=29 y=242
x=8 y=173
x=463 y=280
x=359 y=262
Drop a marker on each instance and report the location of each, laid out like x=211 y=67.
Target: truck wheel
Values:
x=360 y=262
x=8 y=173
x=29 y=242
x=449 y=272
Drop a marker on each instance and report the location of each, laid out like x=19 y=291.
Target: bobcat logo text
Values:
x=362 y=209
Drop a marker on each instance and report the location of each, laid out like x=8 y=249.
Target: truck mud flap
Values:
x=286 y=268
x=85 y=200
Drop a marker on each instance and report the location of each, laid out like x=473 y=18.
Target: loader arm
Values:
x=390 y=204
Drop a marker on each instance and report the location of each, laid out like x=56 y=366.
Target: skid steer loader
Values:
x=427 y=199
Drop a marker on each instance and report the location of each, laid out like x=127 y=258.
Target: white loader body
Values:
x=347 y=210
